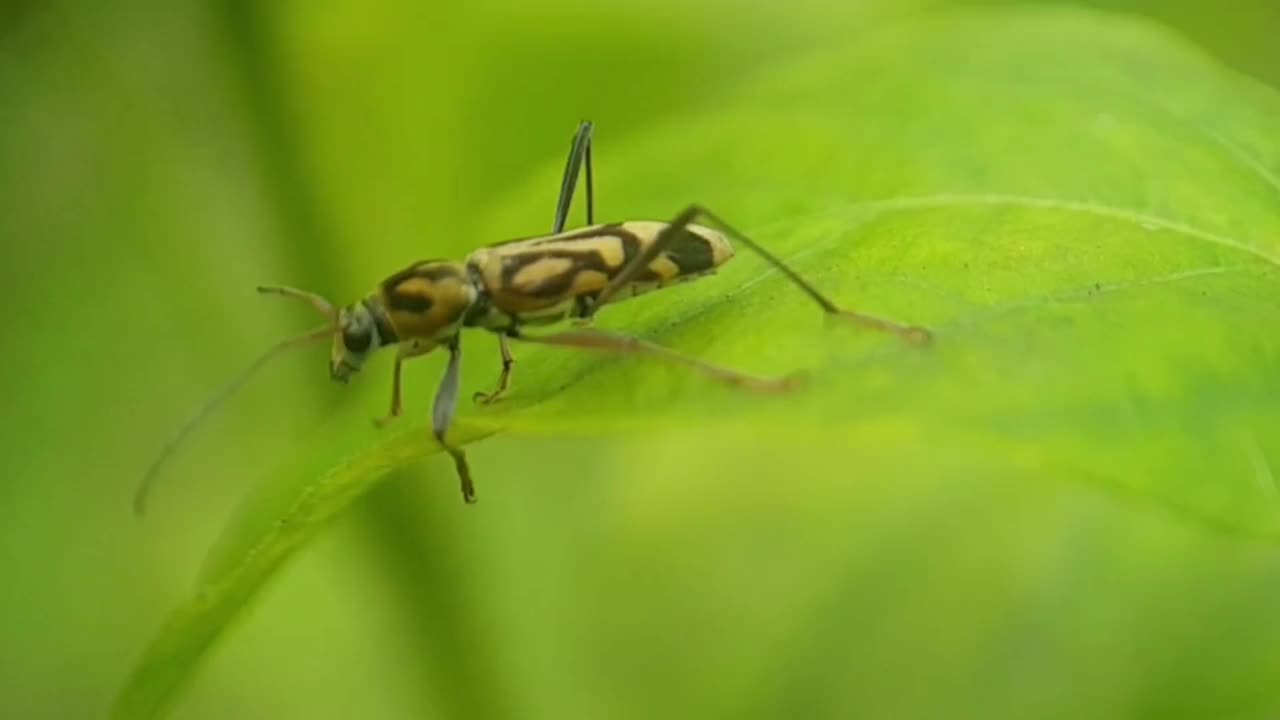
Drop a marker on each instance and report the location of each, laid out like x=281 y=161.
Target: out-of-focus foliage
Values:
x=158 y=159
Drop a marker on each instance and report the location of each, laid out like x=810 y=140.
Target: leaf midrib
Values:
x=874 y=208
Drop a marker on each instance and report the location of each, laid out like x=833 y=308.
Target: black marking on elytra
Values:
x=691 y=252
x=630 y=246
x=588 y=232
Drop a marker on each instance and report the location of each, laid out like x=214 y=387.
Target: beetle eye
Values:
x=356 y=340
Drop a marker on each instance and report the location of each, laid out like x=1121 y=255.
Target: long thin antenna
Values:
x=320 y=304
x=144 y=488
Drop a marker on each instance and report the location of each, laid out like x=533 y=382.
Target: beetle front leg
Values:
x=394 y=413
x=442 y=417
x=406 y=351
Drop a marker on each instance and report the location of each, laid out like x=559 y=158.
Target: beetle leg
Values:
x=913 y=334
x=442 y=417
x=579 y=155
x=603 y=341
x=405 y=351
x=504 y=379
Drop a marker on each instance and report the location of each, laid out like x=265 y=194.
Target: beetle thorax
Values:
x=426 y=301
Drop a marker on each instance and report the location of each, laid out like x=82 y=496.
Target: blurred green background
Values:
x=158 y=159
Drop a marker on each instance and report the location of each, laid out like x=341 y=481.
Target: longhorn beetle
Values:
x=534 y=281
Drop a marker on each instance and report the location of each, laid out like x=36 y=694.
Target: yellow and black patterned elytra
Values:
x=548 y=265
x=545 y=279
x=694 y=249
x=545 y=267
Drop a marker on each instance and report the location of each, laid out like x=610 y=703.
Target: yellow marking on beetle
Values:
x=608 y=248
x=665 y=268
x=588 y=281
x=539 y=271
x=721 y=249
x=515 y=302
x=418 y=287
x=538 y=275
x=488 y=263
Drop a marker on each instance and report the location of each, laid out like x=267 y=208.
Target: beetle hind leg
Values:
x=912 y=334
x=603 y=341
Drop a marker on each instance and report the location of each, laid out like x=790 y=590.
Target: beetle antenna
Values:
x=323 y=306
x=144 y=488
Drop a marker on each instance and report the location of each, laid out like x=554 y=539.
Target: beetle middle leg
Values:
x=579 y=160
x=504 y=379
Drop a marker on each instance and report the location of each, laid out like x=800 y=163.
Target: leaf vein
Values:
x=1243 y=156
x=1142 y=220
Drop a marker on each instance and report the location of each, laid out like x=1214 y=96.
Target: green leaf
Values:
x=1083 y=208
